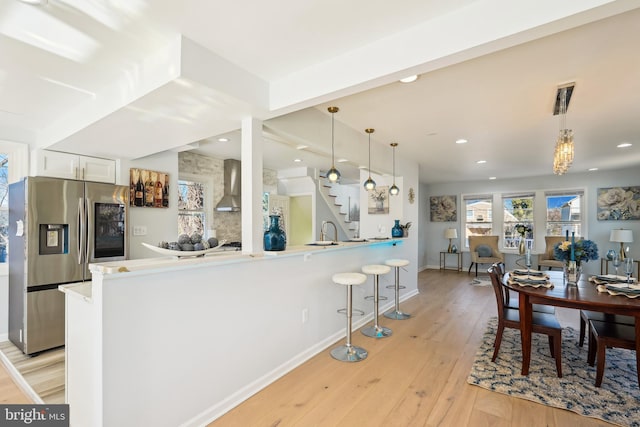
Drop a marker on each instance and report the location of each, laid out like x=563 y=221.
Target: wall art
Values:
x=443 y=208
x=379 y=200
x=148 y=188
x=618 y=203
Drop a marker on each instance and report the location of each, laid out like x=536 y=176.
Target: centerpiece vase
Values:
x=275 y=238
x=397 y=231
x=572 y=271
x=521 y=248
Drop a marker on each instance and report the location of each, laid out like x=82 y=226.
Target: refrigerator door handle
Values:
x=82 y=230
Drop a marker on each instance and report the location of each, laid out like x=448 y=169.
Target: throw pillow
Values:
x=484 y=251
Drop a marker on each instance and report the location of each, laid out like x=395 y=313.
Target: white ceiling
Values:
x=132 y=78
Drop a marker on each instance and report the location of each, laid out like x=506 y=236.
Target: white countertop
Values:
x=116 y=267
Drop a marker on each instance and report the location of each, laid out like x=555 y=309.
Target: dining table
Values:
x=583 y=296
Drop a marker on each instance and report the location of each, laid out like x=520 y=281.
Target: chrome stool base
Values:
x=349 y=353
x=376 y=331
x=397 y=315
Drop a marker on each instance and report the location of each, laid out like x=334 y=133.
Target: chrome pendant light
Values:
x=369 y=184
x=394 y=190
x=333 y=174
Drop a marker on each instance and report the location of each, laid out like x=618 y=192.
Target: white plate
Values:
x=184 y=254
x=322 y=242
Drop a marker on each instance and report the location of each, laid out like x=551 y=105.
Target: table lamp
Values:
x=450 y=233
x=622 y=236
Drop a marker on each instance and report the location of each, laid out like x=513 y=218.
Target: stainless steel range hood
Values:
x=230 y=201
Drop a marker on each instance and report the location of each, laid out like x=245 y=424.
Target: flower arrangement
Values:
x=583 y=250
x=523 y=229
x=406 y=226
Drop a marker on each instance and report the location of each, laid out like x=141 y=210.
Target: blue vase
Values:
x=275 y=238
x=397 y=231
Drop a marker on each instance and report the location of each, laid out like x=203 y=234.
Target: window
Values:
x=564 y=213
x=518 y=210
x=191 y=207
x=479 y=217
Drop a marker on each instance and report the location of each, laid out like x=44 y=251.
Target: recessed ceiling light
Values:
x=362 y=167
x=592 y=169
x=624 y=145
x=297 y=160
x=342 y=160
x=301 y=147
x=481 y=162
x=409 y=79
x=492 y=177
x=223 y=139
x=461 y=141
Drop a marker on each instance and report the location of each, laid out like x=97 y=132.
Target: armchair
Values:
x=547 y=259
x=484 y=250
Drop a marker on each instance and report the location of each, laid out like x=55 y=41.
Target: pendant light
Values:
x=564 y=151
x=333 y=175
x=369 y=184
x=394 y=190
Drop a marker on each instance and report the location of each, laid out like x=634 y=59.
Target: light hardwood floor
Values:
x=416 y=377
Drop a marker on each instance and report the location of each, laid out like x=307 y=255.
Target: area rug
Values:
x=617 y=401
x=481 y=281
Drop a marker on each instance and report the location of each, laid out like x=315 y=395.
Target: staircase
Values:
x=339 y=203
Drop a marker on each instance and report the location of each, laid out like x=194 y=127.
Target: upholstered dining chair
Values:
x=543 y=323
x=547 y=259
x=603 y=335
x=484 y=250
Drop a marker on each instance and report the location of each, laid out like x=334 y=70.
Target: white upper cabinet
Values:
x=72 y=166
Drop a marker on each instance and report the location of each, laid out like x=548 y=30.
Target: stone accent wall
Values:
x=228 y=225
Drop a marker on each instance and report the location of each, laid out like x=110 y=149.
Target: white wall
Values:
x=598 y=231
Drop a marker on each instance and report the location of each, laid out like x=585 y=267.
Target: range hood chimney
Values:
x=230 y=201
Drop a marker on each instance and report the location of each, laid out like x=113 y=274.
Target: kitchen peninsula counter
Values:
x=166 y=341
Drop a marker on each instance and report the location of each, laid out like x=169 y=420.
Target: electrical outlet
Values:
x=305 y=315
x=139 y=230
x=307 y=257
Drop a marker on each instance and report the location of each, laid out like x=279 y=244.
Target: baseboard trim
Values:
x=19 y=379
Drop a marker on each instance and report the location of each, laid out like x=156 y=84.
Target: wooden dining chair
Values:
x=586 y=315
x=514 y=303
x=606 y=334
x=543 y=323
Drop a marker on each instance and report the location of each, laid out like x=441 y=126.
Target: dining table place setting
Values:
x=617 y=285
x=533 y=278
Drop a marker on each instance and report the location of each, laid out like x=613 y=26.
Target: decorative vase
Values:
x=379 y=205
x=572 y=271
x=611 y=254
x=274 y=238
x=396 y=231
x=521 y=248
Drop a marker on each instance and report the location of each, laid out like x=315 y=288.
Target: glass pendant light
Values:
x=564 y=151
x=369 y=184
x=333 y=174
x=394 y=190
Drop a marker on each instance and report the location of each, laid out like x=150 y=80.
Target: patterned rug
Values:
x=617 y=401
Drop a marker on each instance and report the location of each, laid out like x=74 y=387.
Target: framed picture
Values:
x=618 y=203
x=148 y=188
x=443 y=208
x=379 y=200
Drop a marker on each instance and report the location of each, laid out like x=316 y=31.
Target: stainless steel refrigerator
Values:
x=56 y=228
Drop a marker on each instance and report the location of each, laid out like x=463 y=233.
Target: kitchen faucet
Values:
x=323 y=232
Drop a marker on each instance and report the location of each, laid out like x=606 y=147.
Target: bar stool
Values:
x=376 y=331
x=397 y=314
x=348 y=352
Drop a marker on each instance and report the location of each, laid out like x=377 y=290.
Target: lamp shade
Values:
x=451 y=233
x=621 y=235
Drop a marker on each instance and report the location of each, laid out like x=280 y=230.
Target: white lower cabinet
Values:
x=57 y=164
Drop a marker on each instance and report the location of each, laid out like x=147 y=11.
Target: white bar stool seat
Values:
x=348 y=352
x=396 y=313
x=375 y=330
